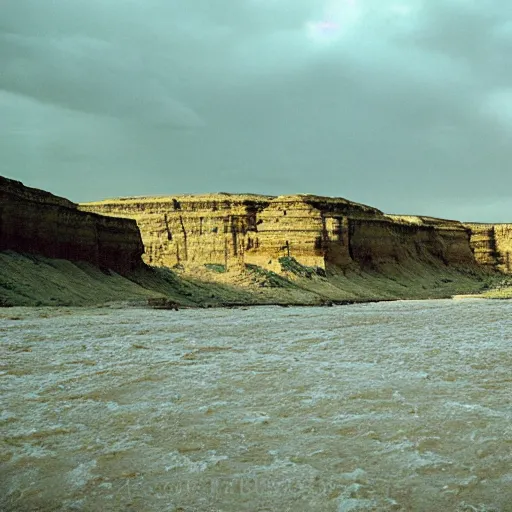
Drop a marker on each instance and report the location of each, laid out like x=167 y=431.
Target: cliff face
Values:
x=37 y=222
x=399 y=241
x=234 y=230
x=492 y=245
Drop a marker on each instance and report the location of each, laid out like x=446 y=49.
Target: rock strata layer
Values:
x=236 y=230
x=37 y=222
x=492 y=245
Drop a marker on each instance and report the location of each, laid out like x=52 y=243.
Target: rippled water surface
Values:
x=383 y=407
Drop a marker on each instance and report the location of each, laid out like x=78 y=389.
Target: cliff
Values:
x=492 y=245
x=320 y=232
x=37 y=222
x=226 y=250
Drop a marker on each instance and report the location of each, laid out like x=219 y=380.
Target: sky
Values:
x=405 y=105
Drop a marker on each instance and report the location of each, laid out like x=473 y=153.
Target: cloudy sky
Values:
x=402 y=104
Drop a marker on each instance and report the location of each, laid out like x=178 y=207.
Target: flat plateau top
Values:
x=235 y=198
x=220 y=196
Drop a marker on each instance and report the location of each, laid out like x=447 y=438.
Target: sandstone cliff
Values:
x=242 y=249
x=321 y=232
x=492 y=245
x=37 y=222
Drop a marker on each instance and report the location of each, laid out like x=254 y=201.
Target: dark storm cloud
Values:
x=403 y=104
x=90 y=75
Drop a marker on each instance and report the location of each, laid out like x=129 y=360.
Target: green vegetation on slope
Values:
x=501 y=290
x=27 y=280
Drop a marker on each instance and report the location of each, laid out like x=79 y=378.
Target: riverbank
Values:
x=501 y=289
x=29 y=280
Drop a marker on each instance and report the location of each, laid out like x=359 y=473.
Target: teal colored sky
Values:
x=402 y=104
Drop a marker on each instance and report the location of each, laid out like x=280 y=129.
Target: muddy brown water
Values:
x=383 y=407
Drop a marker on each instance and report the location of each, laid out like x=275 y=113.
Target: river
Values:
x=396 y=406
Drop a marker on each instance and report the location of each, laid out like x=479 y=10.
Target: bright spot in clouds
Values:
x=339 y=17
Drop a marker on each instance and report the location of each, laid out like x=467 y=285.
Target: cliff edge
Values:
x=321 y=232
x=36 y=222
